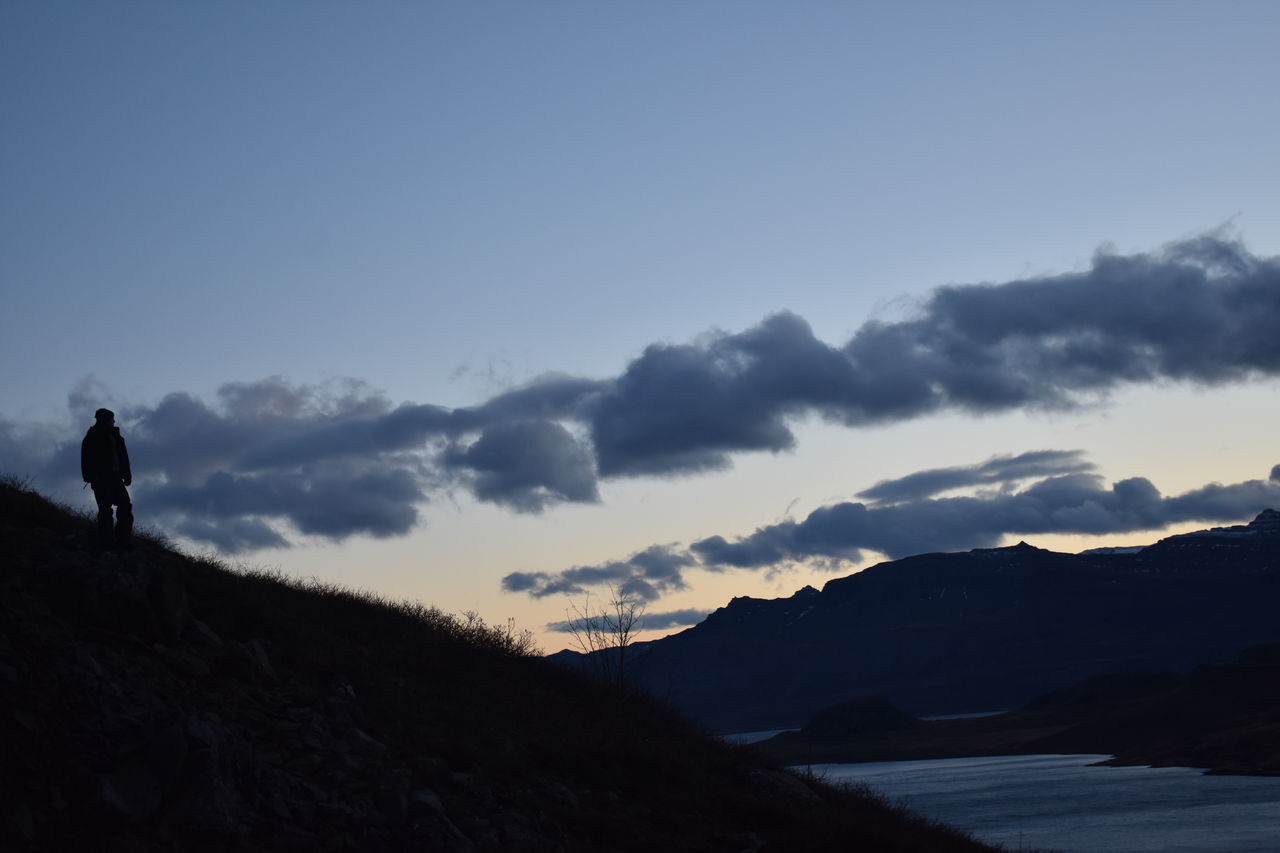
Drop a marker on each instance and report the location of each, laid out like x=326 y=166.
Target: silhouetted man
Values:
x=104 y=464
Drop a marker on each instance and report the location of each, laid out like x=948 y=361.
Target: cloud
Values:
x=259 y=464
x=550 y=396
x=1203 y=310
x=229 y=474
x=1078 y=503
x=673 y=618
x=339 y=459
x=346 y=500
x=648 y=574
x=683 y=408
x=24 y=449
x=838 y=535
x=527 y=465
x=996 y=470
x=232 y=536
x=266 y=461
x=360 y=435
x=650 y=621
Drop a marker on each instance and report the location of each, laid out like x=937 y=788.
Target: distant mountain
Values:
x=154 y=702
x=1223 y=717
x=984 y=630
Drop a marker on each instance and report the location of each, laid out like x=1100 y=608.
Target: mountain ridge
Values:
x=981 y=630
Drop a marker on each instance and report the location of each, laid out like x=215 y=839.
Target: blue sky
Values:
x=345 y=208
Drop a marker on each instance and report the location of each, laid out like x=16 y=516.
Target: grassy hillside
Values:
x=154 y=701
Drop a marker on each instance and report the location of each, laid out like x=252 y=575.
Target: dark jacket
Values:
x=103 y=456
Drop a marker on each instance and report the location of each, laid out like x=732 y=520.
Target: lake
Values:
x=1058 y=802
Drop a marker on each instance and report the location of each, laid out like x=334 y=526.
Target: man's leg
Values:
x=103 y=494
x=124 y=518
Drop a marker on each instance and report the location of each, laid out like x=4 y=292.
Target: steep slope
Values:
x=978 y=631
x=149 y=701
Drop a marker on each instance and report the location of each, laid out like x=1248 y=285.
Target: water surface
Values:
x=1058 y=802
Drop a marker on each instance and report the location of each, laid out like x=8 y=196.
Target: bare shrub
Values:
x=605 y=633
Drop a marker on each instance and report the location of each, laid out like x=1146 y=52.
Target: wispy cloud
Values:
x=650 y=621
x=267 y=460
x=648 y=574
x=1001 y=470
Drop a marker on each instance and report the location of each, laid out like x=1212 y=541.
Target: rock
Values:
x=427 y=799
x=560 y=793
x=206 y=635
x=439 y=833
x=255 y=655
x=516 y=832
x=367 y=745
x=185 y=663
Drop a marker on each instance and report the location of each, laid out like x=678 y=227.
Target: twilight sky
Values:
x=492 y=305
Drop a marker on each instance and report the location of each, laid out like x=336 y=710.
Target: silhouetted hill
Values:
x=978 y=631
x=1222 y=717
x=150 y=701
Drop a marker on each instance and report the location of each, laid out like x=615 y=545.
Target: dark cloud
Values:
x=527 y=465
x=649 y=574
x=766 y=547
x=343 y=501
x=231 y=536
x=264 y=459
x=406 y=427
x=684 y=408
x=339 y=459
x=267 y=453
x=1227 y=503
x=998 y=469
x=1202 y=310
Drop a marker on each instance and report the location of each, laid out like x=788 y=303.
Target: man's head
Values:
x=105 y=417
